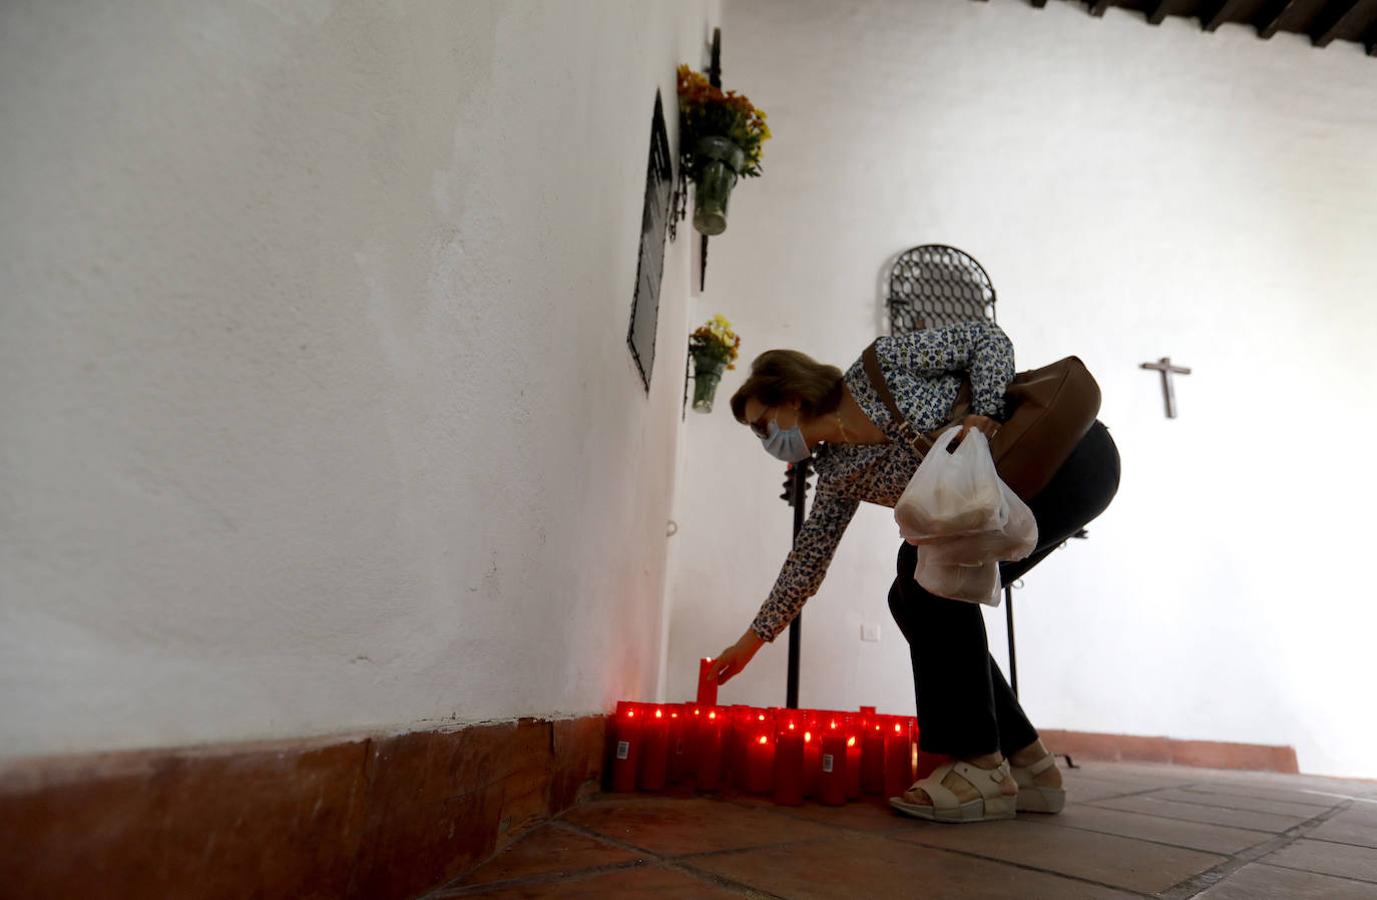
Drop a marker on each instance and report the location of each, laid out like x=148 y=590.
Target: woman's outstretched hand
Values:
x=735 y=658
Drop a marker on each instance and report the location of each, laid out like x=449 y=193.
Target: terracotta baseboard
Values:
x=1204 y=754
x=375 y=818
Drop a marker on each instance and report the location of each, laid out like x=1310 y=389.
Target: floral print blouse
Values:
x=923 y=370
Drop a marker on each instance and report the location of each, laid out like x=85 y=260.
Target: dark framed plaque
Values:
x=645 y=302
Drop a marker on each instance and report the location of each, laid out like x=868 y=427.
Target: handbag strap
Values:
x=921 y=443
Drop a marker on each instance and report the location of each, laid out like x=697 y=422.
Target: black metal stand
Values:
x=795 y=493
x=1009 y=618
x=1082 y=534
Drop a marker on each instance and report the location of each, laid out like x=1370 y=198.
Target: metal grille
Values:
x=934 y=285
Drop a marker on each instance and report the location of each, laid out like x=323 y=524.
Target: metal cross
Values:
x=1167 y=369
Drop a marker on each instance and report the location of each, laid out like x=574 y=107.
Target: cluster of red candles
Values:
x=791 y=754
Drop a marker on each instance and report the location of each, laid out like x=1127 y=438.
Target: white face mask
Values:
x=787 y=445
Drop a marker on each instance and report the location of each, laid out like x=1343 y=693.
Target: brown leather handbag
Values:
x=1046 y=413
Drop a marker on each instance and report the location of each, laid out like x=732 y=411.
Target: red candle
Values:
x=711 y=738
x=898 y=757
x=873 y=755
x=653 y=768
x=747 y=725
x=760 y=752
x=812 y=762
x=832 y=780
x=678 y=744
x=693 y=728
x=924 y=764
x=760 y=765
x=853 y=762
x=707 y=683
x=626 y=754
x=789 y=763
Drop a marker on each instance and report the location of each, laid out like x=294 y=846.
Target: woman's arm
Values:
x=800 y=579
x=981 y=349
x=807 y=563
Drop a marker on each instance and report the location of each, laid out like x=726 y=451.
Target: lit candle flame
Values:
x=764 y=739
x=850 y=742
x=659 y=714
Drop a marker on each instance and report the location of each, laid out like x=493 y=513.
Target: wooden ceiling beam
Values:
x=1370 y=40
x=1039 y=4
x=1332 y=20
x=1268 y=23
x=1218 y=14
x=1097 y=7
x=1159 y=12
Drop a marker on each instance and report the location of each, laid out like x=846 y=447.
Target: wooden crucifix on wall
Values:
x=1164 y=366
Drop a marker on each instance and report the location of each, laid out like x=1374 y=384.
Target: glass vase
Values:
x=707 y=374
x=719 y=162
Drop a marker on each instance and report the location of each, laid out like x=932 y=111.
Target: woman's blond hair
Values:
x=781 y=376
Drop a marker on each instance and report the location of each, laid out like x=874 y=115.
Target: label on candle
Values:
x=623 y=749
x=827 y=763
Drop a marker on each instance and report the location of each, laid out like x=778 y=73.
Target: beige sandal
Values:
x=1034 y=797
x=991 y=805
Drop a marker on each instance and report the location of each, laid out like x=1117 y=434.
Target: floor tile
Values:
x=1263 y=882
x=1353 y=826
x=1324 y=800
x=869 y=866
x=548 y=850
x=1344 y=860
x=1317 y=783
x=871 y=817
x=1141 y=776
x=1243 y=802
x=1107 y=859
x=672 y=827
x=1081 y=788
x=648 y=882
x=1181 y=833
x=1194 y=812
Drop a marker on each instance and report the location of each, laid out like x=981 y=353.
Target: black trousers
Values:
x=965 y=707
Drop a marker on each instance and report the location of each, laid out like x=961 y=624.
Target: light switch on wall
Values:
x=870 y=633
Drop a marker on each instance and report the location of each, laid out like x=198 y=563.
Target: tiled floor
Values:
x=1127 y=831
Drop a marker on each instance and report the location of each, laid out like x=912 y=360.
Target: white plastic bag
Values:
x=952 y=493
x=974 y=584
x=962 y=533
x=1014 y=541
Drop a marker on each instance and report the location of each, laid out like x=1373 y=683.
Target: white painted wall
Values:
x=318 y=412
x=1134 y=192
